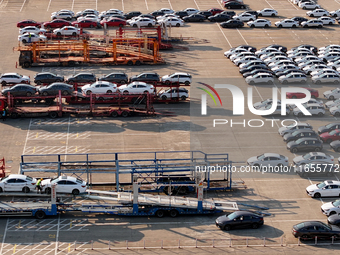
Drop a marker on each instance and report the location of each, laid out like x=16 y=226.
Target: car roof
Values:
x=313 y=104
x=317 y=153
x=17 y=176
x=272 y=155
x=245 y=213
x=332 y=182
x=45 y=73
x=65 y=177
x=310 y=138
x=148 y=73
x=84 y=73
x=10 y=74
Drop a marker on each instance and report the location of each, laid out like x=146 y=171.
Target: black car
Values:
x=48 y=78
x=157 y=13
x=278 y=74
x=316 y=169
x=311 y=229
x=239 y=219
x=335 y=145
x=145 y=77
x=255 y=13
x=20 y=90
x=329 y=127
x=181 y=14
x=54 y=89
x=234 y=5
x=299 y=19
x=219 y=17
x=251 y=68
x=305 y=144
x=230 y=13
x=278 y=47
x=117 y=77
x=130 y=15
x=82 y=78
x=334 y=220
x=247 y=47
x=194 y=18
x=307 y=46
x=232 y=24
x=206 y=14
x=299 y=134
x=245 y=75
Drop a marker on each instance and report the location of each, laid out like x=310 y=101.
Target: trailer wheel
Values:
x=24 y=41
x=167 y=82
x=58 y=34
x=125 y=114
x=28 y=94
x=26 y=64
x=114 y=114
x=53 y=115
x=109 y=92
x=187 y=83
x=121 y=25
x=75 y=192
x=159 y=213
x=173 y=213
x=126 y=92
x=137 y=63
x=25 y=189
x=74 y=34
x=45 y=93
x=164 y=97
x=3 y=83
x=14 y=115
x=48 y=190
x=40 y=215
x=129 y=63
x=183 y=98
x=65 y=93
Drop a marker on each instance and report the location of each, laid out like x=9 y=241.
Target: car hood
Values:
x=282 y=129
x=312 y=187
x=87 y=86
x=334 y=219
x=327 y=206
x=328 y=92
x=222 y=219
x=252 y=159
x=25 y=77
x=325 y=135
x=287 y=136
x=122 y=87
x=298 y=159
x=334 y=108
x=330 y=103
x=46 y=182
x=291 y=144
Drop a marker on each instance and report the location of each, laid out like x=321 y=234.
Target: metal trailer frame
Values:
x=141 y=164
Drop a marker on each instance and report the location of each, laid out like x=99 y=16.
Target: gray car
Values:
x=299 y=134
x=54 y=89
x=292 y=128
x=305 y=144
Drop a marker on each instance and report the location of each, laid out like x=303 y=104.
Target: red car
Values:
x=84 y=23
x=331 y=136
x=28 y=22
x=57 y=23
x=113 y=22
x=314 y=94
x=215 y=11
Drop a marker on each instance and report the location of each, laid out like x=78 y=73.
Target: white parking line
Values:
x=294 y=5
x=146 y=3
x=219 y=2
x=96 y=4
x=123 y=5
x=224 y=35
x=242 y=36
x=22 y=5
x=49 y=4
x=324 y=35
x=28 y=131
x=72 y=5
x=196 y=4
x=170 y=4
x=269 y=4
x=4 y=237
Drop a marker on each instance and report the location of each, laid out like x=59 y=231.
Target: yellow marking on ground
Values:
x=33 y=149
x=77 y=135
x=36 y=136
x=76 y=148
x=19 y=224
x=15 y=246
x=70 y=223
x=69 y=248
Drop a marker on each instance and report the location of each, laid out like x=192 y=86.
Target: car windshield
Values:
x=336 y=203
x=232 y=216
x=79 y=181
x=54 y=180
x=335 y=90
x=5 y=178
x=301 y=225
x=333 y=132
x=295 y=133
x=299 y=141
x=260 y=157
x=329 y=125
x=321 y=185
x=28 y=178
x=307 y=156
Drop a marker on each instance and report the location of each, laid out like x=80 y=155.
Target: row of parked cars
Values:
x=293 y=66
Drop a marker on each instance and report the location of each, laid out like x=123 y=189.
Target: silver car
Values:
x=293 y=78
x=314 y=109
x=268 y=159
x=326 y=78
x=313 y=156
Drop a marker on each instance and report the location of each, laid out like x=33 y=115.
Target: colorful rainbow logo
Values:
x=209 y=93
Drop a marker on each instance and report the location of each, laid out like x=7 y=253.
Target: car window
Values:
x=20 y=181
x=62 y=182
x=11 y=181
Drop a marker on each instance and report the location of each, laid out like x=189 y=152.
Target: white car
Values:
x=309 y=63
x=136 y=87
x=330 y=46
x=272 y=55
x=91 y=17
x=13 y=78
x=266 y=51
x=294 y=127
x=277 y=110
x=245 y=17
x=173 y=22
x=306 y=59
x=184 y=78
x=335 y=110
x=268 y=159
x=191 y=11
x=293 y=78
x=229 y=53
x=309 y=5
x=326 y=78
x=181 y=93
x=259 y=23
x=312 y=23
x=327 y=20
x=309 y=69
x=63 y=10
x=87 y=11
x=283 y=67
x=17 y=182
x=264 y=103
x=318 y=13
x=26 y=38
x=167 y=10
x=313 y=156
x=241 y=55
x=32 y=30
x=166 y=16
x=268 y=61
x=260 y=78
x=142 y=22
x=324 y=71
x=331 y=208
x=62 y=15
x=335 y=13
x=246 y=59
x=332 y=94
x=267 y=12
x=64 y=184
x=314 y=109
x=324 y=189
x=280 y=63
x=330 y=104
x=329 y=55
x=113 y=11
x=287 y=23
x=67 y=30
x=99 y=87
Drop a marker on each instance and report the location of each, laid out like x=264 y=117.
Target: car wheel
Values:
x=1 y=190
x=114 y=114
x=317 y=195
x=48 y=190
x=317 y=149
x=228 y=7
x=294 y=150
x=255 y=225
x=331 y=97
x=257 y=166
x=53 y=115
x=65 y=93
x=280 y=26
x=160 y=213
x=164 y=97
x=312 y=15
x=294 y=26
x=320 y=114
x=337 y=114
x=149 y=25
x=260 y=14
x=173 y=213
x=285 y=82
x=3 y=83
x=280 y=165
x=266 y=25
x=24 y=41
x=109 y=92
x=187 y=83
x=305 y=26
x=28 y=94
x=134 y=25
x=45 y=93
x=252 y=26
x=40 y=215
x=126 y=92
x=58 y=34
x=336 y=82
x=88 y=92
x=304 y=8
x=178 y=25
x=251 y=83
x=25 y=189
x=75 y=192
x=337 y=149
x=300 y=114
x=227 y=227
x=125 y=114
x=38 y=82
x=319 y=26
x=270 y=82
x=183 y=98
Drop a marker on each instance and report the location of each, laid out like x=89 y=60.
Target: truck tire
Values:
x=26 y=64
x=26 y=189
x=114 y=114
x=40 y=215
x=75 y=192
x=174 y=213
x=1 y=190
x=53 y=115
x=48 y=190
x=160 y=213
x=125 y=114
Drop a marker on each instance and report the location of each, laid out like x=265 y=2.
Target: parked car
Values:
x=331 y=208
x=252 y=73
x=132 y=14
x=334 y=220
x=28 y=22
x=239 y=219
x=318 y=13
x=215 y=11
x=314 y=94
x=181 y=93
x=173 y=22
x=316 y=169
x=328 y=137
x=299 y=134
x=327 y=20
x=13 y=78
x=267 y=12
x=81 y=78
x=113 y=22
x=235 y=5
x=293 y=127
x=31 y=37
x=314 y=109
x=326 y=78
x=264 y=103
x=166 y=10
x=259 y=23
x=142 y=22
x=324 y=189
x=267 y=160
x=67 y=30
x=157 y=13
x=136 y=87
x=332 y=94
x=194 y=18
x=335 y=13
x=191 y=11
x=146 y=77
x=116 y=77
x=64 y=184
x=260 y=78
x=309 y=5
x=206 y=14
x=313 y=156
x=90 y=17
x=312 y=23
x=299 y=19
x=331 y=103
x=57 y=23
x=85 y=23
x=335 y=110
x=17 y=182
x=335 y=146
x=182 y=78
x=311 y=229
x=54 y=88
x=86 y=12
x=182 y=14
x=245 y=17
x=20 y=90
x=32 y=30
x=232 y=24
x=305 y=144
x=99 y=87
x=293 y=78
x=47 y=78
x=287 y=23
x=219 y=18
x=329 y=127
x=62 y=15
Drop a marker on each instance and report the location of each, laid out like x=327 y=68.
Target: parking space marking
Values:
x=54 y=122
x=170 y=4
x=146 y=4
x=324 y=36
x=224 y=35
x=241 y=36
x=294 y=4
x=269 y=4
x=196 y=4
x=34 y=150
x=219 y=2
x=4 y=237
x=44 y=135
